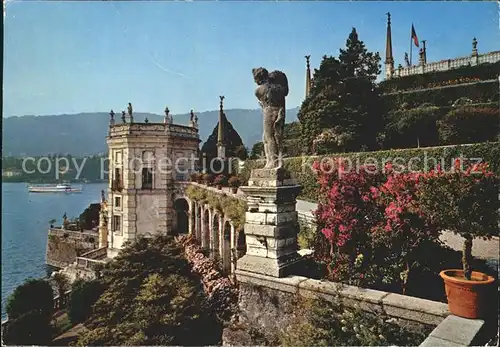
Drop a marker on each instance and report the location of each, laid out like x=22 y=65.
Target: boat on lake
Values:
x=59 y=188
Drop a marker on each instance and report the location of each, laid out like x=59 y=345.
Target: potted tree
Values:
x=208 y=179
x=464 y=201
x=220 y=180
x=234 y=183
x=194 y=177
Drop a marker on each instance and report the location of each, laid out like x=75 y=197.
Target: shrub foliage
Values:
x=151 y=297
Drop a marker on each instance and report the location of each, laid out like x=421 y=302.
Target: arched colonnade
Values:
x=212 y=229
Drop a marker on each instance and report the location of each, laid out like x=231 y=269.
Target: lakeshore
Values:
x=24 y=240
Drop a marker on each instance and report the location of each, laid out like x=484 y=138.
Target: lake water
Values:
x=25 y=222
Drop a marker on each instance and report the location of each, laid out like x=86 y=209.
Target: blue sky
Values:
x=71 y=57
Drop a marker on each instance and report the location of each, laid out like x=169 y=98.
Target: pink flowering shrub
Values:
x=220 y=180
x=221 y=291
x=371 y=229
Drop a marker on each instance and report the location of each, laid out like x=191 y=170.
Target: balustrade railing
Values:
x=87 y=263
x=95 y=253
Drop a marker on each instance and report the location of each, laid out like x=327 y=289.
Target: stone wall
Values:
x=268 y=303
x=63 y=246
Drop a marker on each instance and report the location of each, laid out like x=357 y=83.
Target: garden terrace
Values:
x=478 y=92
x=64 y=246
x=463 y=74
x=422 y=159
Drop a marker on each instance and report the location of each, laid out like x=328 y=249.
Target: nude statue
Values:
x=271 y=93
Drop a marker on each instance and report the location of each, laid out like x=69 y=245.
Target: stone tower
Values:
x=145 y=159
x=221 y=146
x=308 y=75
x=389 y=59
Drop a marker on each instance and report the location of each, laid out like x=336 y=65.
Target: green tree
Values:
x=409 y=127
x=345 y=98
x=151 y=297
x=84 y=295
x=30 y=309
x=318 y=109
x=31 y=328
x=469 y=125
x=257 y=150
x=32 y=295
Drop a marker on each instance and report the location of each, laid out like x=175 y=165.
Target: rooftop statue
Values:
x=271 y=93
x=130 y=111
x=168 y=118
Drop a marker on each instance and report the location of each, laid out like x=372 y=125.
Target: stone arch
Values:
x=181 y=208
x=226 y=248
x=215 y=235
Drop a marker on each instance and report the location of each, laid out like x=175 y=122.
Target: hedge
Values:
x=444 y=96
x=404 y=125
x=300 y=167
x=483 y=71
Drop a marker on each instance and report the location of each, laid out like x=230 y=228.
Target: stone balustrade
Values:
x=99 y=253
x=444 y=65
x=138 y=129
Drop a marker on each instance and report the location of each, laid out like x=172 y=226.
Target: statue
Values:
x=407 y=61
x=168 y=118
x=193 y=119
x=103 y=197
x=129 y=110
x=146 y=120
x=474 y=46
x=65 y=221
x=124 y=120
x=111 y=118
x=271 y=92
x=421 y=53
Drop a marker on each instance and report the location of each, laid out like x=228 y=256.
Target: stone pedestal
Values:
x=271 y=225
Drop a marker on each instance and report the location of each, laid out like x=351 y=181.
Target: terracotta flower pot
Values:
x=468 y=298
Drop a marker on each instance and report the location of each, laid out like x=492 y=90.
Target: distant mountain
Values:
x=85 y=133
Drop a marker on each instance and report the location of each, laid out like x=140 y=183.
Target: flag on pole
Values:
x=414 y=36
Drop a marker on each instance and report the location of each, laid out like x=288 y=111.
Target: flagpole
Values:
x=411 y=43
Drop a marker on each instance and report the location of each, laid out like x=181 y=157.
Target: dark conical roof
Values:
x=231 y=139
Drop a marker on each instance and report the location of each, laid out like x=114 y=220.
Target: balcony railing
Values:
x=87 y=263
x=97 y=253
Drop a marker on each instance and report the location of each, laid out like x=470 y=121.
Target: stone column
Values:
x=196 y=222
x=271 y=224
x=210 y=232
x=192 y=208
x=103 y=227
x=221 y=236
x=203 y=227
x=233 y=248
